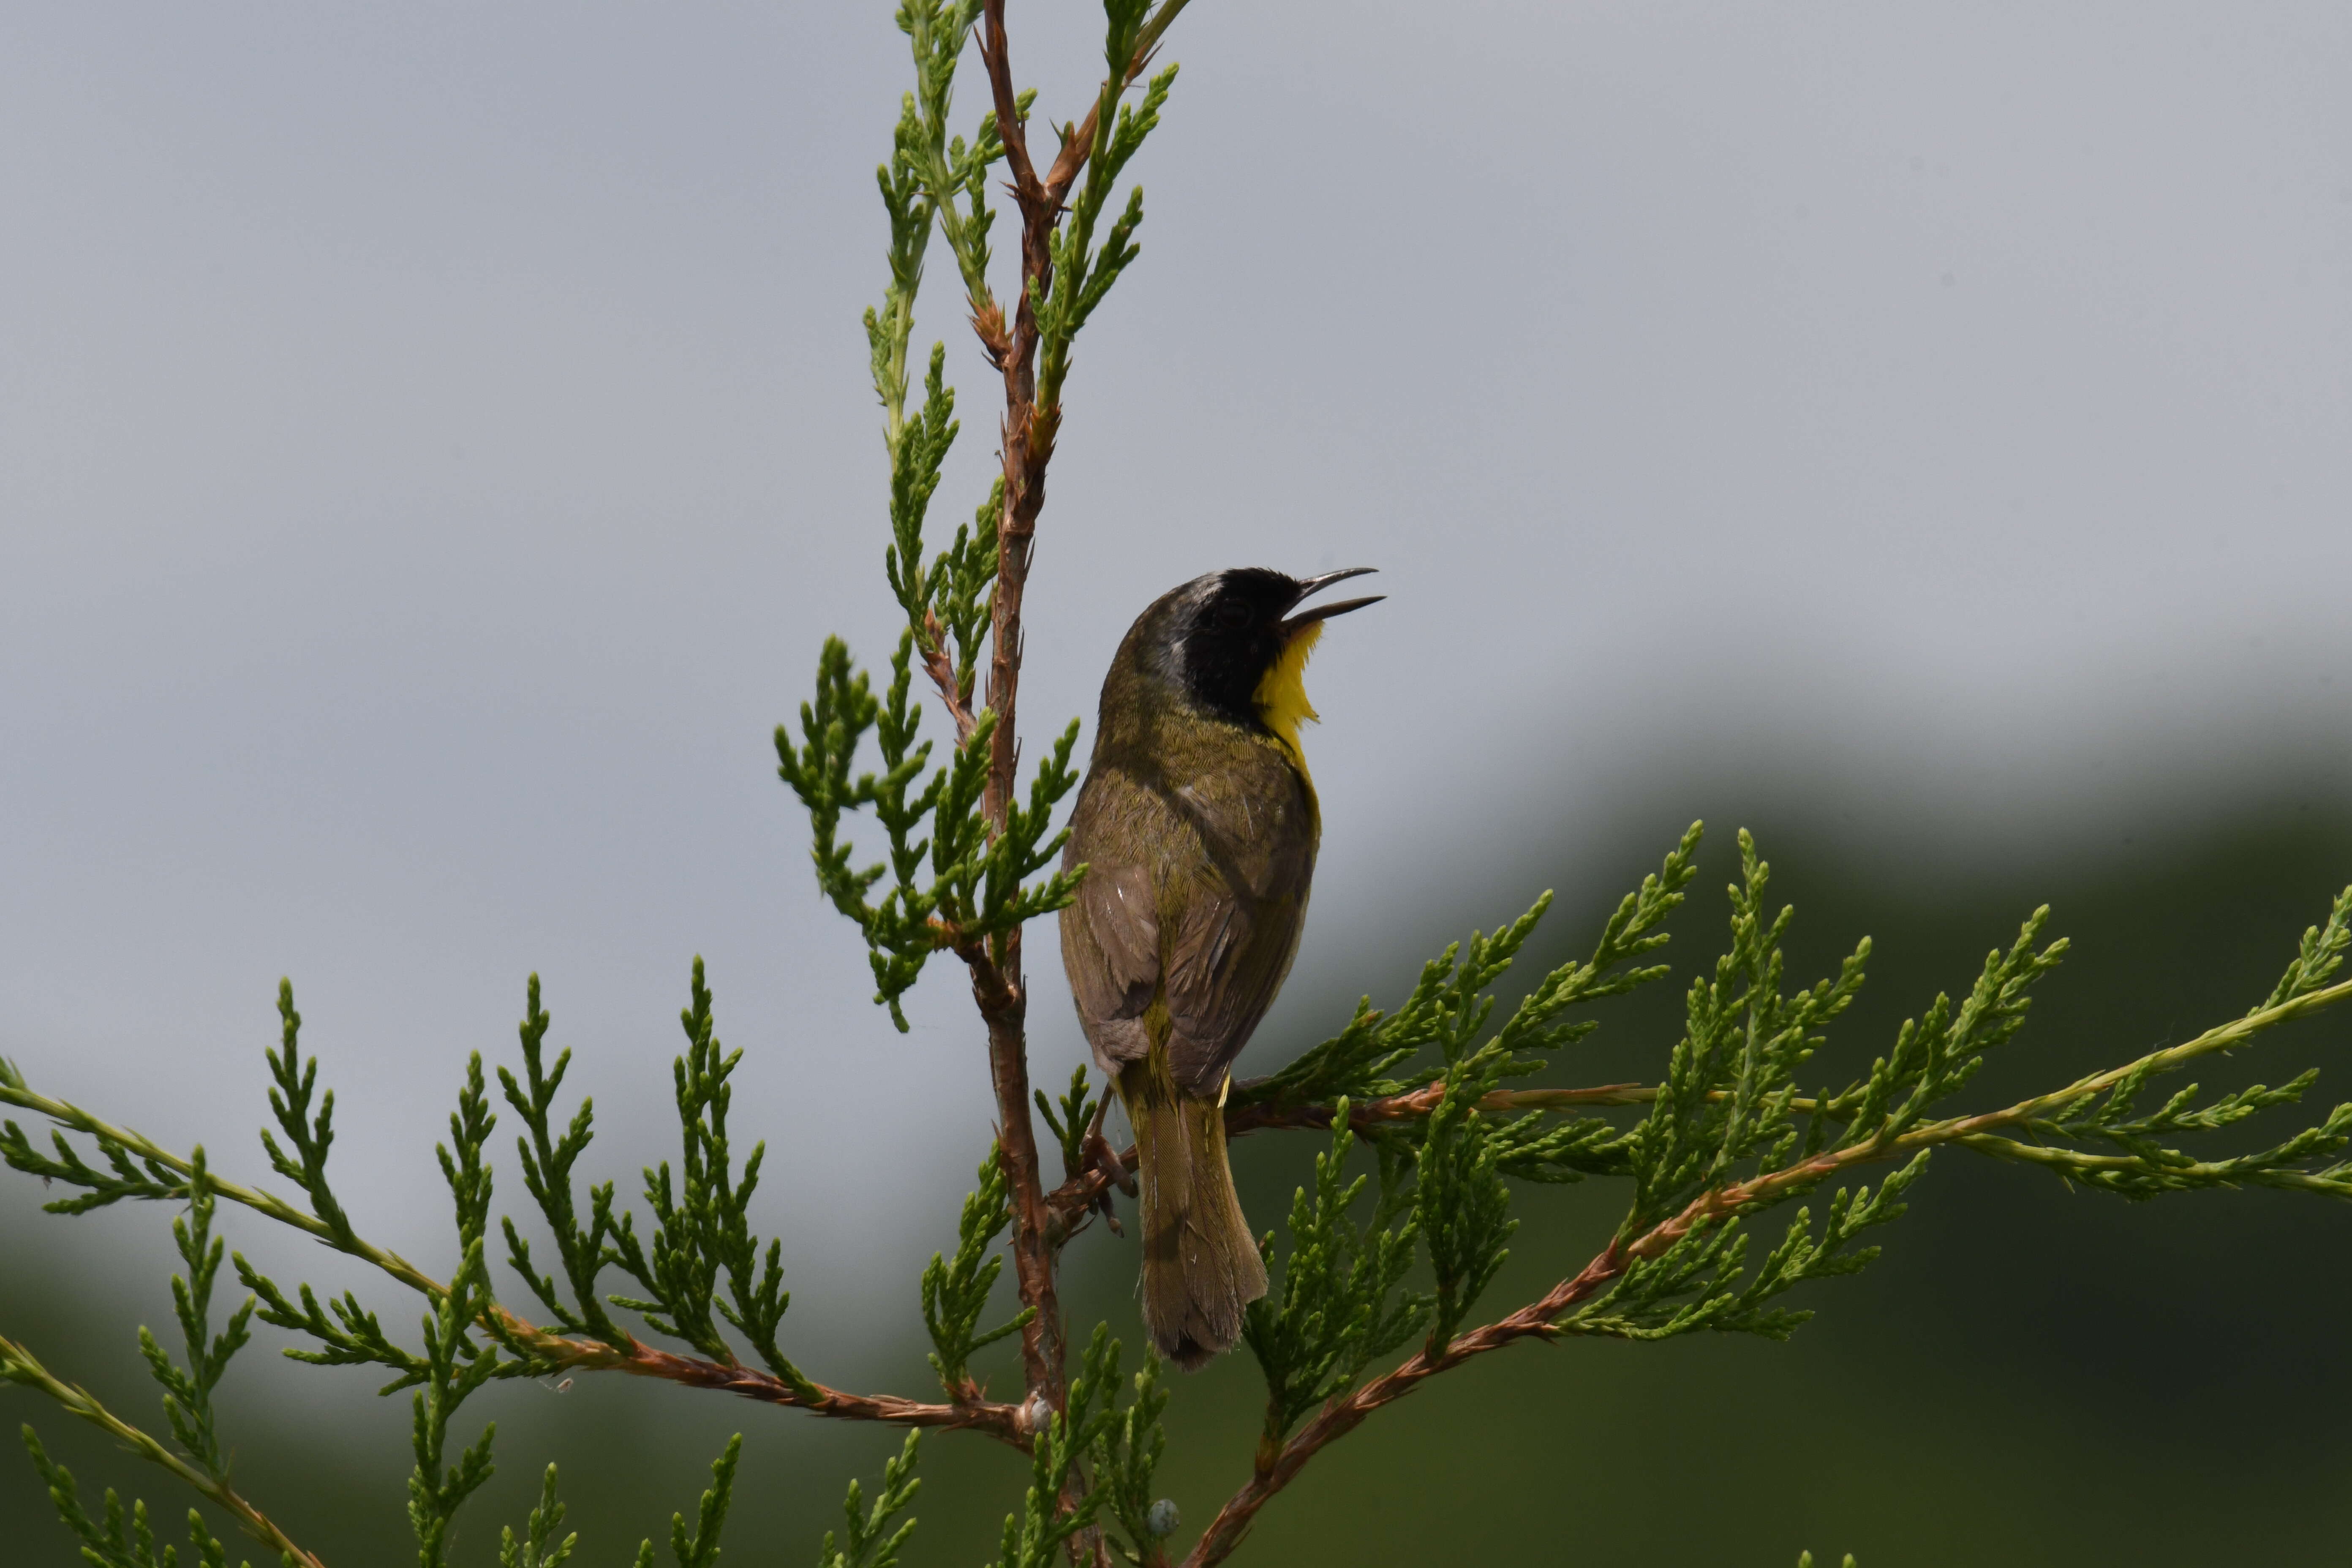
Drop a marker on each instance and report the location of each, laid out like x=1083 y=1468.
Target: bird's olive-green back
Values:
x=1200 y=835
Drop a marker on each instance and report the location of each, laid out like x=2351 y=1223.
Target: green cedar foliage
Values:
x=699 y=1547
x=1372 y=1263
x=187 y=1391
x=1451 y=1004
x=289 y=1101
x=868 y=1539
x=976 y=886
x=1091 y=1433
x=701 y=1238
x=958 y=888
x=701 y=1225
x=1382 y=1272
x=123 y=1541
x=1083 y=271
x=128 y=1541
x=537 y=1547
x=1339 y=1308
x=1127 y=1450
x=1070 y=1119
x=955 y=1295
x=547 y=1159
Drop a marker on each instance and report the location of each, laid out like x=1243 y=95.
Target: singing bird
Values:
x=1198 y=826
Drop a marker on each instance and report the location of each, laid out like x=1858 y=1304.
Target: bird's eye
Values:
x=1231 y=617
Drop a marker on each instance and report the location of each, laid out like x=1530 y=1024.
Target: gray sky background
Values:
x=433 y=442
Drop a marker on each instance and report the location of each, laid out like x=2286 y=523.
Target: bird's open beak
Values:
x=1325 y=612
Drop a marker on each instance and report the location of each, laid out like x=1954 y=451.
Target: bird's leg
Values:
x=1096 y=1152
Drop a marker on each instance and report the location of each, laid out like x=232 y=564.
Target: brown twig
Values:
x=996 y=990
x=1025 y=458
x=934 y=646
x=997 y=978
x=639 y=1360
x=18 y=1364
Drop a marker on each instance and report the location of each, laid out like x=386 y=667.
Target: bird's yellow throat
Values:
x=1281 y=695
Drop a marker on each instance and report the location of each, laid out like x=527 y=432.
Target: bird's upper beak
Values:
x=1325 y=612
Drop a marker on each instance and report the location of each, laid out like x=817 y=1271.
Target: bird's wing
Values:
x=1110 y=948
x=1116 y=915
x=1242 y=914
x=1230 y=957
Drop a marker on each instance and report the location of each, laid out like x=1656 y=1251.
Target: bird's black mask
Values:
x=1223 y=632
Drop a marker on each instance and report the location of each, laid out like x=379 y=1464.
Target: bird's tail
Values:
x=1201 y=1265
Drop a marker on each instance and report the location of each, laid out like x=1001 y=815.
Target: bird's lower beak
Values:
x=1325 y=612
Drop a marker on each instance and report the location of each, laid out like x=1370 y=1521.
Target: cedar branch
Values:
x=1027 y=435
x=1538 y=1317
x=558 y=1352
x=18 y=1364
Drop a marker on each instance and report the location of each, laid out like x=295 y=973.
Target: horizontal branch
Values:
x=641 y=1359
x=18 y=1364
x=557 y=1351
x=73 y=1118
x=1074 y=1196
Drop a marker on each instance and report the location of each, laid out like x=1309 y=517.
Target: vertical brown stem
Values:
x=1028 y=433
x=996 y=989
x=1025 y=455
x=997 y=978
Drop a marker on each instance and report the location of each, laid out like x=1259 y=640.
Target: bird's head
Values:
x=1235 y=643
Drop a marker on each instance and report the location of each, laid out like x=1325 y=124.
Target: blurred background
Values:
x=436 y=441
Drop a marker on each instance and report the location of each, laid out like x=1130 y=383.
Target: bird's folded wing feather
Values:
x=1203 y=884
x=1241 y=920
x=1110 y=945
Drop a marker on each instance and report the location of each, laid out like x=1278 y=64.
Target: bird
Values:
x=1198 y=826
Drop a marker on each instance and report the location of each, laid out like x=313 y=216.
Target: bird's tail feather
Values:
x=1201 y=1265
